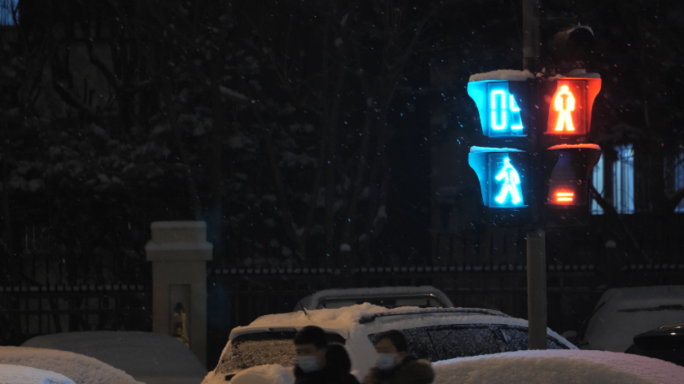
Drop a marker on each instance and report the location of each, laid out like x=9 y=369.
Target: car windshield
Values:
x=262 y=348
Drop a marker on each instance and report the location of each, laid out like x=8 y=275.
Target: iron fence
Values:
x=27 y=311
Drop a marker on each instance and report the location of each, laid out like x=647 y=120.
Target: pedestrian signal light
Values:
x=569 y=172
x=508 y=184
x=499 y=108
x=565 y=105
x=564 y=197
x=501 y=174
x=570 y=107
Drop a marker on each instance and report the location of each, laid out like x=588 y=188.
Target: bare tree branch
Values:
x=610 y=210
x=72 y=99
x=675 y=198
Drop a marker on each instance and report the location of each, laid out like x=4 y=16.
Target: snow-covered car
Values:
x=557 y=367
x=665 y=343
x=79 y=368
x=152 y=358
x=433 y=333
x=19 y=374
x=388 y=297
x=623 y=313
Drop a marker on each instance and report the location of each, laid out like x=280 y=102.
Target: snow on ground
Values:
x=149 y=357
x=558 y=367
x=503 y=74
x=628 y=312
x=81 y=369
x=18 y=374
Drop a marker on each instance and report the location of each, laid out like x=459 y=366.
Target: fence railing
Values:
x=44 y=268
x=27 y=311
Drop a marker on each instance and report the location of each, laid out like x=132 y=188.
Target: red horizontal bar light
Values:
x=564 y=197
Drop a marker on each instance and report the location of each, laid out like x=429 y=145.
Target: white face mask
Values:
x=385 y=361
x=308 y=363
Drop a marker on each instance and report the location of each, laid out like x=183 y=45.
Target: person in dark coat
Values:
x=395 y=366
x=319 y=362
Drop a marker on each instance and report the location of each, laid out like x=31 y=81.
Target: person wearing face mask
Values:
x=319 y=362
x=395 y=366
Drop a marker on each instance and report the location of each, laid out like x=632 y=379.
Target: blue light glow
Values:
x=511 y=184
x=501 y=110
x=497 y=170
x=498 y=108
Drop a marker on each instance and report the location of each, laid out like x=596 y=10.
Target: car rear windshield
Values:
x=252 y=349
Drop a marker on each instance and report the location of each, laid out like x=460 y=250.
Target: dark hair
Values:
x=397 y=338
x=337 y=358
x=311 y=335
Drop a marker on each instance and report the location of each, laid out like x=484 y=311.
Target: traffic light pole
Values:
x=530 y=15
x=536 y=288
x=536 y=237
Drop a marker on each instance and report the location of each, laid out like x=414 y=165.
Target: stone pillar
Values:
x=179 y=253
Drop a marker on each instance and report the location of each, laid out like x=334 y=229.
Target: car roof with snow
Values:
x=77 y=367
x=148 y=357
x=10 y=374
x=623 y=313
x=643 y=297
x=332 y=295
x=348 y=320
x=313 y=300
x=557 y=366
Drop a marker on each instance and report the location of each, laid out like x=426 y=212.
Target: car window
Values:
x=551 y=343
x=262 y=348
x=419 y=344
x=517 y=339
x=461 y=341
x=442 y=342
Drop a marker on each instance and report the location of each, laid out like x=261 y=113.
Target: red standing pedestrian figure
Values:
x=565 y=108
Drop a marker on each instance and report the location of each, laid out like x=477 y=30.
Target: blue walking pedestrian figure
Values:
x=511 y=183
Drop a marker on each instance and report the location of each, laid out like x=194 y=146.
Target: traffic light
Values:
x=502 y=173
x=522 y=119
x=570 y=102
x=570 y=167
x=498 y=103
x=502 y=163
x=568 y=159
